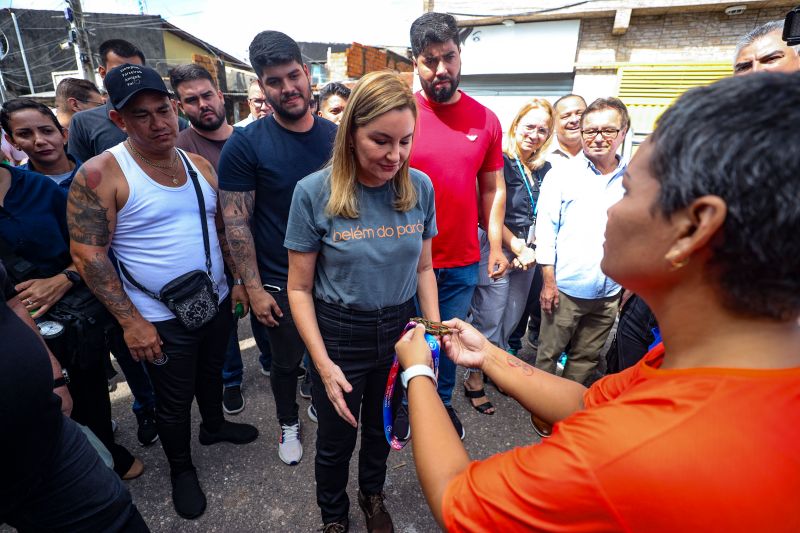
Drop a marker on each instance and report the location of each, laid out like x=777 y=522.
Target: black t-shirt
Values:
x=266 y=158
x=30 y=413
x=521 y=201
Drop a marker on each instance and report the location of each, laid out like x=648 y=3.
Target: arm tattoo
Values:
x=86 y=215
x=237 y=208
x=102 y=279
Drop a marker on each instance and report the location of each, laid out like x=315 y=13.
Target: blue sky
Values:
x=231 y=24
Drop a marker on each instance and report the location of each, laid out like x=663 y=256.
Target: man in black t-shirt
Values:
x=258 y=169
x=52 y=478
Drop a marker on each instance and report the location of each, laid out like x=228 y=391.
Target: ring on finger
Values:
x=29 y=301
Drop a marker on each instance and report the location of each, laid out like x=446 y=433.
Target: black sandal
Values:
x=481 y=393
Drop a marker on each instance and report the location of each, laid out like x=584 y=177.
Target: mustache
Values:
x=285 y=97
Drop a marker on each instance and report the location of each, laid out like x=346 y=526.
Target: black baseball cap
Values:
x=125 y=81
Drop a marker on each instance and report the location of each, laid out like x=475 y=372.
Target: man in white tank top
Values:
x=138 y=200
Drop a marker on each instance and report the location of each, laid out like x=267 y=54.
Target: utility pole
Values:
x=79 y=39
x=427 y=6
x=22 y=51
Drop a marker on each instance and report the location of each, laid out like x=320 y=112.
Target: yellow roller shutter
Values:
x=648 y=89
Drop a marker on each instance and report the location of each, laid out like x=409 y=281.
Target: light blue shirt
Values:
x=571 y=224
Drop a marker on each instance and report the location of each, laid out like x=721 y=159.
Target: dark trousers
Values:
x=193 y=369
x=532 y=313
x=634 y=335
x=362 y=345
x=91 y=407
x=144 y=398
x=287 y=353
x=78 y=493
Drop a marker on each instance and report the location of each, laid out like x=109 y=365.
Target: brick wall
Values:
x=681 y=37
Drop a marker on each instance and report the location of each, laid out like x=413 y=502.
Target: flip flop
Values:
x=480 y=393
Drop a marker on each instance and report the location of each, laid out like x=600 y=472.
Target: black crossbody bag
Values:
x=192 y=297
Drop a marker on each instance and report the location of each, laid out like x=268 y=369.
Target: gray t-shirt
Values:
x=366 y=263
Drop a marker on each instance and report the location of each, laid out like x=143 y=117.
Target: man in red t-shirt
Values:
x=457 y=141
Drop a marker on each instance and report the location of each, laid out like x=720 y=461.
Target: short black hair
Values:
x=188 y=72
x=729 y=141
x=331 y=89
x=567 y=97
x=77 y=88
x=270 y=48
x=18 y=104
x=120 y=47
x=433 y=28
x=601 y=104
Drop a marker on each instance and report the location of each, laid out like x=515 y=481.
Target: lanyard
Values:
x=527 y=187
x=388 y=415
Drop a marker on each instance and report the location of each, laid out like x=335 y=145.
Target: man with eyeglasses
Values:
x=259 y=107
x=73 y=95
x=578 y=301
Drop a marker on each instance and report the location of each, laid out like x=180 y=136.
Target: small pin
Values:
x=472 y=137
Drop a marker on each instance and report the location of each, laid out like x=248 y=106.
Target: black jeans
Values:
x=362 y=345
x=193 y=369
x=91 y=407
x=78 y=493
x=287 y=353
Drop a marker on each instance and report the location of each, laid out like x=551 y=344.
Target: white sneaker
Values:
x=290 y=449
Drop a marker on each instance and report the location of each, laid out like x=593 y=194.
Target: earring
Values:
x=673 y=261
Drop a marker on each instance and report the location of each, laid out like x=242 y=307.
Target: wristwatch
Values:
x=414 y=371
x=63 y=380
x=72 y=276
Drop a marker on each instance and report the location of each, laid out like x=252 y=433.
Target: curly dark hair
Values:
x=737 y=139
x=433 y=28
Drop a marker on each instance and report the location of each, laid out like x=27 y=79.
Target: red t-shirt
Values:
x=703 y=449
x=452 y=145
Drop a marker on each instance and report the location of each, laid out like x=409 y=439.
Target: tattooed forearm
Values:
x=102 y=279
x=226 y=252
x=86 y=215
x=237 y=208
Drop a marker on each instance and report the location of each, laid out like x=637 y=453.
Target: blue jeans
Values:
x=233 y=368
x=456 y=286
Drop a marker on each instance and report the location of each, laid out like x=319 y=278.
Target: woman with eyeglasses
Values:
x=497 y=305
x=34 y=245
x=359 y=239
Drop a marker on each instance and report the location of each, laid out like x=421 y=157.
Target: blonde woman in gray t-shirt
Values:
x=359 y=239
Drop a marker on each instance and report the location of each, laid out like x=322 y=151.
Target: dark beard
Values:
x=441 y=95
x=205 y=126
x=290 y=116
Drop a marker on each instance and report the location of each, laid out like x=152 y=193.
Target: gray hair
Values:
x=759 y=32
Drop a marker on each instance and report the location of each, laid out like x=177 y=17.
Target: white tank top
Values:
x=158 y=236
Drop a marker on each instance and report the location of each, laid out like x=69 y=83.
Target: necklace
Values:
x=160 y=168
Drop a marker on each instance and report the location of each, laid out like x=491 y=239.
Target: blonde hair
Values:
x=375 y=94
x=536 y=160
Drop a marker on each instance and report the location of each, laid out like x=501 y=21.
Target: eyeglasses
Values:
x=607 y=133
x=93 y=102
x=258 y=102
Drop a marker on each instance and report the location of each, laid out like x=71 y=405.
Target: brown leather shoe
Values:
x=542 y=428
x=136 y=470
x=378 y=518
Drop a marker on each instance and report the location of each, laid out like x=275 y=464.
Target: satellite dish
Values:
x=3 y=46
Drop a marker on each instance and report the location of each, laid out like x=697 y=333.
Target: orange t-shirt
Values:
x=703 y=449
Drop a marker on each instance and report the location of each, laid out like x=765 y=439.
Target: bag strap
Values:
x=203 y=224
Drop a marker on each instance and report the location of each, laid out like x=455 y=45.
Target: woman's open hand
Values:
x=336 y=386
x=465 y=346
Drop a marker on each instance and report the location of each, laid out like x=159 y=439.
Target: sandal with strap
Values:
x=485 y=408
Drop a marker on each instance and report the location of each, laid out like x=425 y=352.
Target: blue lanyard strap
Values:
x=388 y=414
x=527 y=186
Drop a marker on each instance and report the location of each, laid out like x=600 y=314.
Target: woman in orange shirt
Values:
x=702 y=433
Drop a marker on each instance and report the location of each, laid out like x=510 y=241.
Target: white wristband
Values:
x=414 y=371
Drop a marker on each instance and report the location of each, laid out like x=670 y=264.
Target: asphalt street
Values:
x=250 y=489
